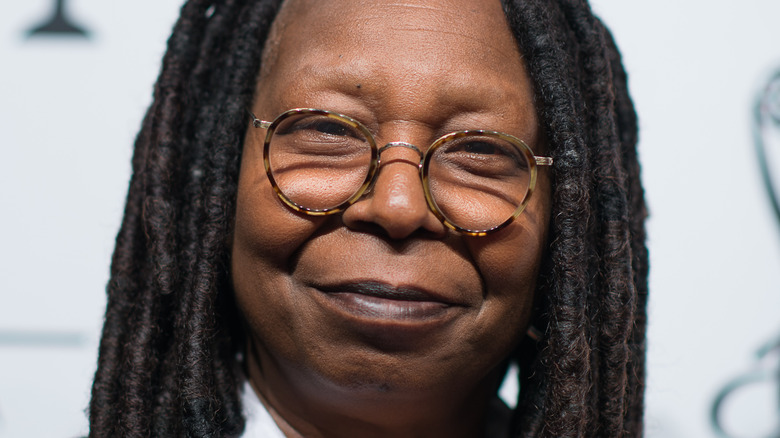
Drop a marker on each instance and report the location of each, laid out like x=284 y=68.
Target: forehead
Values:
x=456 y=52
x=474 y=30
x=362 y=22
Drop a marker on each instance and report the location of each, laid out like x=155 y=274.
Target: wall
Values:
x=70 y=108
x=695 y=68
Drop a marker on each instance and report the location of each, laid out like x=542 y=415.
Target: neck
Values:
x=304 y=405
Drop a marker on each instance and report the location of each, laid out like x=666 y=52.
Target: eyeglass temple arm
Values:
x=543 y=161
x=257 y=123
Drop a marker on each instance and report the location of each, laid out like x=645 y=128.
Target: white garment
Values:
x=260 y=424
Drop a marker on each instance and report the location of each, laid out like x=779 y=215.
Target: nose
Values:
x=396 y=200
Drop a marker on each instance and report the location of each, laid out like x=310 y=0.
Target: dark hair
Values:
x=170 y=349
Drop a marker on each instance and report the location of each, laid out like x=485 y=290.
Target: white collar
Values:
x=259 y=423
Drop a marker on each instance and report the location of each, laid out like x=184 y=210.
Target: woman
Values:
x=358 y=270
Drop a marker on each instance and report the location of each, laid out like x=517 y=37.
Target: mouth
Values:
x=380 y=301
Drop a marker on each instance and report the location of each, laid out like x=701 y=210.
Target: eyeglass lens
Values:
x=320 y=162
x=477 y=182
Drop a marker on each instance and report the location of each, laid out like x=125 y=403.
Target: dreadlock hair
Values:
x=170 y=349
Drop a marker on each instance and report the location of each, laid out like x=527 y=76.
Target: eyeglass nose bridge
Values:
x=400 y=144
x=393 y=144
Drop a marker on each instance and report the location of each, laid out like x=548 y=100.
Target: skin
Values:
x=410 y=71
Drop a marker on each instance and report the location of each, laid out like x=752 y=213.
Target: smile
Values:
x=381 y=302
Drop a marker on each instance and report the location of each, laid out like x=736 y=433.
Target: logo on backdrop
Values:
x=766 y=136
x=766 y=366
x=58 y=23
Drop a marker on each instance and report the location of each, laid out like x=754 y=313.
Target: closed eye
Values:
x=483 y=148
x=325 y=125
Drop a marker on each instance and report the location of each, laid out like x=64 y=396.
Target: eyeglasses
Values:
x=475 y=181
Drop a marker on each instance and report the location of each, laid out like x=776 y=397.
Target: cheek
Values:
x=510 y=268
x=266 y=238
x=510 y=262
x=514 y=259
x=264 y=227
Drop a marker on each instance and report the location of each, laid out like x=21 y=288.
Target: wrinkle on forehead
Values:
x=329 y=20
x=456 y=53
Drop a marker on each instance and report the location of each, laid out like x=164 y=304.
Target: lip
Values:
x=389 y=315
x=375 y=300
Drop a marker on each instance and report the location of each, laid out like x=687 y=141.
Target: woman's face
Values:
x=382 y=298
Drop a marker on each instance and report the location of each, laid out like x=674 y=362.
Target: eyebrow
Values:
x=468 y=92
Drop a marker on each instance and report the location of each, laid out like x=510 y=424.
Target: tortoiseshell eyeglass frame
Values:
x=423 y=165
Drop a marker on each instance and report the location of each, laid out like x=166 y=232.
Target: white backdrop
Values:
x=70 y=108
